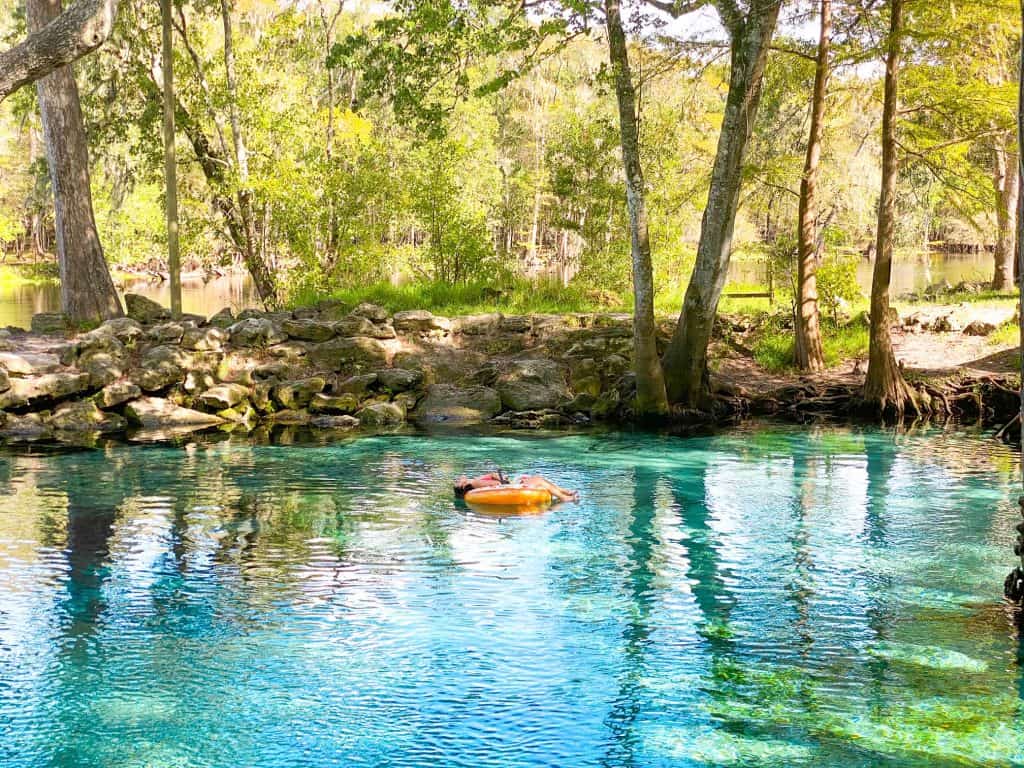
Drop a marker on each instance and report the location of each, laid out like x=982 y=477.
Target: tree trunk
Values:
x=86 y=290
x=807 y=348
x=262 y=277
x=685 y=363
x=651 y=399
x=885 y=388
x=55 y=41
x=1007 y=187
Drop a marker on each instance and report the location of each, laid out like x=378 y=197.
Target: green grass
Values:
x=995 y=298
x=773 y=347
x=14 y=275
x=1006 y=335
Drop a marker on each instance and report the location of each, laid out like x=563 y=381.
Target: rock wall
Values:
x=323 y=367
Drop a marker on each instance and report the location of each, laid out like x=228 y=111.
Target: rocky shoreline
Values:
x=330 y=368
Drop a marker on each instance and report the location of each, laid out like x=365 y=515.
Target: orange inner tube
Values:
x=509 y=496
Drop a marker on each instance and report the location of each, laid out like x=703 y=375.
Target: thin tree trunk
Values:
x=885 y=388
x=685 y=362
x=87 y=292
x=808 y=351
x=651 y=399
x=170 y=162
x=262 y=277
x=1007 y=184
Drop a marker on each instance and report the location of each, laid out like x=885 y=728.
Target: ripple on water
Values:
x=765 y=597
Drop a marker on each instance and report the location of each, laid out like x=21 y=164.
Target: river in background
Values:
x=19 y=302
x=909 y=274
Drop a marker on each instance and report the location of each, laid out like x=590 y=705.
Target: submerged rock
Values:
x=449 y=404
x=152 y=412
x=381 y=415
x=143 y=310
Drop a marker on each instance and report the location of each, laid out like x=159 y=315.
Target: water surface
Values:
x=765 y=597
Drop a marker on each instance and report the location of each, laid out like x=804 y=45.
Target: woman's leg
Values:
x=536 y=481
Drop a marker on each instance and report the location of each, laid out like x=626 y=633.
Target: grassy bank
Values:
x=15 y=275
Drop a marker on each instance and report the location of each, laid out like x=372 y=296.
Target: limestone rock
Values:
x=345 y=403
x=143 y=310
x=223 y=319
x=381 y=415
x=49 y=322
x=260 y=398
x=399 y=380
x=446 y=403
x=948 y=323
x=167 y=333
x=124 y=329
x=84 y=416
x=242 y=413
x=290 y=350
x=255 y=332
x=343 y=352
x=117 y=393
x=223 y=396
x=515 y=323
x=358 y=385
x=161 y=367
x=17 y=364
x=291 y=417
x=419 y=320
x=979 y=328
x=382 y=331
x=372 y=312
x=309 y=330
x=28 y=426
x=353 y=325
x=150 y=412
x=41 y=389
x=5 y=380
x=209 y=339
x=327 y=421
x=532 y=385
x=477 y=325
x=236 y=367
x=102 y=339
x=295 y=395
x=198 y=381
x=103 y=368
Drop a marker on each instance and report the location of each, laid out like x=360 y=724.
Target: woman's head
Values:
x=462 y=484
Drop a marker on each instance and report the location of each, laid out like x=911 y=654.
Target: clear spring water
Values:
x=765 y=597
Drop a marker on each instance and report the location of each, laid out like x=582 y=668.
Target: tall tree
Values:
x=807 y=347
x=66 y=37
x=87 y=292
x=685 y=362
x=1006 y=180
x=885 y=387
x=650 y=382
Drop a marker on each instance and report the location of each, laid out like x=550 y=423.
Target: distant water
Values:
x=19 y=302
x=765 y=597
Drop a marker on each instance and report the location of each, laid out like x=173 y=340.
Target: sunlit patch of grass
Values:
x=1006 y=335
x=773 y=347
x=44 y=273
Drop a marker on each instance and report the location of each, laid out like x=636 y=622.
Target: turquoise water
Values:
x=765 y=597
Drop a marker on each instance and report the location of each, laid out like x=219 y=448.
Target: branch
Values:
x=677 y=8
x=79 y=30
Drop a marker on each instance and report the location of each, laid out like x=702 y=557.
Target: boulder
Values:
x=223 y=319
x=532 y=385
x=382 y=331
x=327 y=421
x=372 y=312
x=209 y=339
x=419 y=321
x=948 y=323
x=353 y=325
x=260 y=398
x=344 y=352
x=290 y=416
x=162 y=367
x=84 y=416
x=357 y=385
x=117 y=393
x=143 y=310
x=236 y=367
x=124 y=329
x=49 y=322
x=255 y=332
x=102 y=339
x=398 y=379
x=295 y=395
x=381 y=415
x=151 y=412
x=290 y=350
x=17 y=364
x=309 y=329
x=979 y=328
x=515 y=323
x=198 y=381
x=223 y=396
x=242 y=413
x=477 y=325
x=167 y=333
x=103 y=368
x=43 y=389
x=345 y=403
x=28 y=426
x=446 y=403
x=277 y=369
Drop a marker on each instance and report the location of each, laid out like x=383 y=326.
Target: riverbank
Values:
x=340 y=368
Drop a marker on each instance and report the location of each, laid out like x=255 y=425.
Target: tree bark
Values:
x=1007 y=188
x=809 y=355
x=885 y=387
x=87 y=292
x=685 y=362
x=57 y=41
x=651 y=399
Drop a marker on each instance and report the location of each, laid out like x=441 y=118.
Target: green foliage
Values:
x=773 y=345
x=837 y=282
